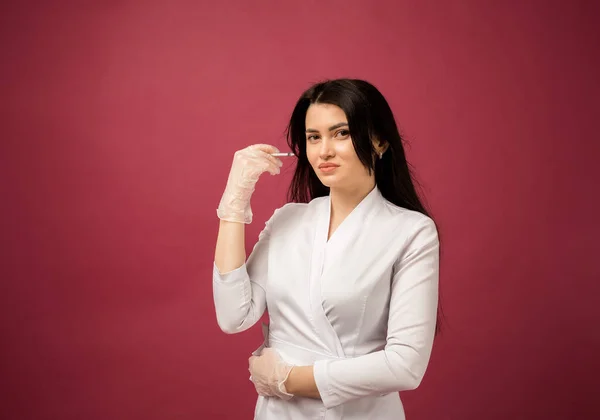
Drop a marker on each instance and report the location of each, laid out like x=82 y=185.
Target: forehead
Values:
x=322 y=116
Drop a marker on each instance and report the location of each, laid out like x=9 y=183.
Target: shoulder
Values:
x=298 y=209
x=416 y=232
x=294 y=211
x=412 y=224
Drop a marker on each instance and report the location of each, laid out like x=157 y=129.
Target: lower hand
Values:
x=269 y=373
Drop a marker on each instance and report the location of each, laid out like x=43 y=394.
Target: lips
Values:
x=328 y=167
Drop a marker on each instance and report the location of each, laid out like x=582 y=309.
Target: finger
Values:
x=267 y=156
x=273 y=170
x=267 y=148
x=266 y=163
x=263 y=161
x=270 y=167
x=266 y=152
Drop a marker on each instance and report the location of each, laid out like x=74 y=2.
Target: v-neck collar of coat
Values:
x=347 y=231
x=349 y=223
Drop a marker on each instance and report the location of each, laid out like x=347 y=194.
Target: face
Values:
x=330 y=150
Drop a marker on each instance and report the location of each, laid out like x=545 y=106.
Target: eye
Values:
x=312 y=137
x=342 y=134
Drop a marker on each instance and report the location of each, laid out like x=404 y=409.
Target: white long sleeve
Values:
x=411 y=329
x=239 y=295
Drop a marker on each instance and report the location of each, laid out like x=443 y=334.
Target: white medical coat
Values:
x=361 y=307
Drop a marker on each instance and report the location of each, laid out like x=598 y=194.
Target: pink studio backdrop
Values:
x=119 y=122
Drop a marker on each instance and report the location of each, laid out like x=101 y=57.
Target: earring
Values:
x=380 y=155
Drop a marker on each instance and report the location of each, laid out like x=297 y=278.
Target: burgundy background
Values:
x=119 y=122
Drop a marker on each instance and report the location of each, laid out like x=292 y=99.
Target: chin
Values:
x=330 y=182
x=336 y=180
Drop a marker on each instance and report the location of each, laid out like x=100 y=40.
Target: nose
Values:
x=327 y=150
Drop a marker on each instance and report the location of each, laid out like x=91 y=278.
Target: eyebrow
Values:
x=333 y=127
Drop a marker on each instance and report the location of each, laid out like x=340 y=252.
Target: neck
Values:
x=344 y=200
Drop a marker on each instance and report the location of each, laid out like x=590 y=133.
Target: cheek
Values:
x=312 y=154
x=345 y=149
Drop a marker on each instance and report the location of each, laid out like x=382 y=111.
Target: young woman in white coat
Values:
x=348 y=269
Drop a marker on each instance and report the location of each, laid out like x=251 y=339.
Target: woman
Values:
x=348 y=269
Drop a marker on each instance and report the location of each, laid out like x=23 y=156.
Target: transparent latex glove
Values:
x=248 y=165
x=269 y=372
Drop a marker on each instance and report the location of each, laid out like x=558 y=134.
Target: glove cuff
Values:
x=281 y=391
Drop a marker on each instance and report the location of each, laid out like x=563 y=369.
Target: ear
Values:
x=380 y=145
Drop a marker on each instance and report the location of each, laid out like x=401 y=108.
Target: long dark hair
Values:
x=369 y=117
